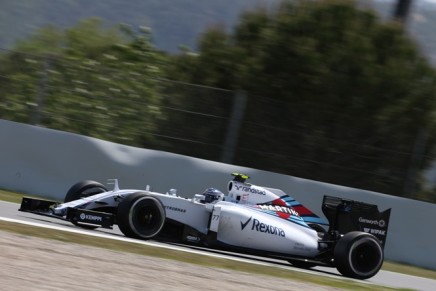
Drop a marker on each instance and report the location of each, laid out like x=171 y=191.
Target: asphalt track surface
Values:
x=9 y=211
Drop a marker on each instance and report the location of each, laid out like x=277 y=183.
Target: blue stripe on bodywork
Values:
x=294 y=203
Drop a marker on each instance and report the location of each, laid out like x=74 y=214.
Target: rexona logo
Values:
x=84 y=216
x=263 y=227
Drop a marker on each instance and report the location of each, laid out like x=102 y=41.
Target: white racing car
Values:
x=249 y=219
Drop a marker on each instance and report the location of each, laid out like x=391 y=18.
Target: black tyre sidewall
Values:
x=348 y=247
x=129 y=213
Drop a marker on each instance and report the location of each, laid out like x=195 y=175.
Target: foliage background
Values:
x=327 y=90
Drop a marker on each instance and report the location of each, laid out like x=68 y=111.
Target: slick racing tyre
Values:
x=140 y=216
x=84 y=189
x=358 y=255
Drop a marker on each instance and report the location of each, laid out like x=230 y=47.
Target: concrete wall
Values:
x=41 y=161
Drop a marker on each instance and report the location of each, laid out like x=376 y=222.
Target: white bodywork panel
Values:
x=243 y=226
x=238 y=221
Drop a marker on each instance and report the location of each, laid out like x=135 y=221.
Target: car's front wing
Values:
x=74 y=215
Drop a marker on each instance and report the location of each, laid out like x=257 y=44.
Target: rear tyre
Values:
x=84 y=189
x=358 y=255
x=140 y=216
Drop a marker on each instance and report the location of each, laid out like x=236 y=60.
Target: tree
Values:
x=335 y=95
x=87 y=79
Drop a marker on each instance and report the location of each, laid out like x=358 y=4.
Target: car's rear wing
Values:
x=349 y=215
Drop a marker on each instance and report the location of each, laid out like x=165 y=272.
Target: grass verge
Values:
x=13 y=196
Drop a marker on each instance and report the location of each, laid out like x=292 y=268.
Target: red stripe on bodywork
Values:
x=279 y=202
x=302 y=210
x=283 y=215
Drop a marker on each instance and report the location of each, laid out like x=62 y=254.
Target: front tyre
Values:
x=84 y=189
x=140 y=216
x=358 y=255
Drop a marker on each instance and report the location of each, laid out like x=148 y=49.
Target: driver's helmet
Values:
x=211 y=195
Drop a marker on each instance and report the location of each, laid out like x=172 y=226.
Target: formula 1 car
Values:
x=249 y=219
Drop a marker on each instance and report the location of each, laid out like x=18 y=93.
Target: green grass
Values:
x=201 y=260
x=14 y=197
x=409 y=270
x=10 y=196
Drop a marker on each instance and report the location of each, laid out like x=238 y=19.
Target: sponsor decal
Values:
x=175 y=209
x=263 y=227
x=278 y=208
x=244 y=224
x=300 y=246
x=380 y=223
x=90 y=217
x=375 y=231
x=250 y=190
x=193 y=238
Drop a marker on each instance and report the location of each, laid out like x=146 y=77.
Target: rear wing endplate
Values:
x=349 y=215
